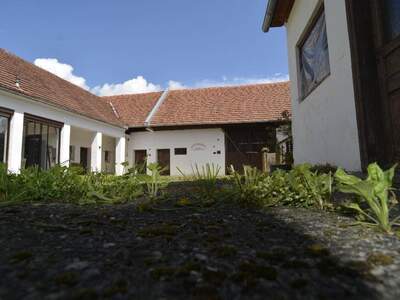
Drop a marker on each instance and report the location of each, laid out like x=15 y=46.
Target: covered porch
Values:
x=94 y=151
x=30 y=140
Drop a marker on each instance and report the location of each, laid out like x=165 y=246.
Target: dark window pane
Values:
x=314 y=57
x=180 y=151
x=41 y=145
x=44 y=161
x=391 y=19
x=3 y=138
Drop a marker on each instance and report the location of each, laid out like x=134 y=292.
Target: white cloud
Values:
x=66 y=71
x=62 y=70
x=140 y=84
x=176 y=85
x=225 y=81
x=133 y=86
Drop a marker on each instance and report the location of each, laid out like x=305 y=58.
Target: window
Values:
x=4 y=124
x=41 y=142
x=180 y=151
x=314 y=56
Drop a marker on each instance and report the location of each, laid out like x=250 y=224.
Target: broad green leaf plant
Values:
x=376 y=191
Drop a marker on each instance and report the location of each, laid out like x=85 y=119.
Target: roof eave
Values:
x=269 y=14
x=44 y=102
x=277 y=13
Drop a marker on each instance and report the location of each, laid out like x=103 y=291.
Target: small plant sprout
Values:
x=375 y=191
x=206 y=176
x=247 y=183
x=153 y=180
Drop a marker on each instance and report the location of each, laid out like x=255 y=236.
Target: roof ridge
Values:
x=131 y=94
x=202 y=88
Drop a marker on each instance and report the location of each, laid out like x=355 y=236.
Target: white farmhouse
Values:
x=45 y=120
x=344 y=60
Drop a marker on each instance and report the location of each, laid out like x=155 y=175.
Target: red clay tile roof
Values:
x=133 y=109
x=207 y=106
x=45 y=87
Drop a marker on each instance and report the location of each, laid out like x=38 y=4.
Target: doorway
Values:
x=163 y=159
x=84 y=153
x=374 y=32
x=386 y=16
x=140 y=161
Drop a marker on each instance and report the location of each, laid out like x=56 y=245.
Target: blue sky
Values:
x=109 y=43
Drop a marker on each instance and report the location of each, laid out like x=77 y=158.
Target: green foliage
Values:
x=374 y=191
x=103 y=188
x=57 y=184
x=316 y=187
x=246 y=184
x=66 y=185
x=207 y=174
x=206 y=178
x=9 y=191
x=153 y=180
x=299 y=187
x=137 y=169
x=324 y=169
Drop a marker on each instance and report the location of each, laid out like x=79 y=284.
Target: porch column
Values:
x=64 y=145
x=96 y=151
x=120 y=150
x=15 y=142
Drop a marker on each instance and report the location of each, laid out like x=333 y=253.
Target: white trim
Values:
x=156 y=107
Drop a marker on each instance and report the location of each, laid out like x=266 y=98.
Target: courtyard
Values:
x=181 y=249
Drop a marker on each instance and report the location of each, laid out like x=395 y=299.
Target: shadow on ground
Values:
x=220 y=252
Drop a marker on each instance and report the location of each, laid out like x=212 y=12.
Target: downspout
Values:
x=114 y=110
x=269 y=14
x=147 y=122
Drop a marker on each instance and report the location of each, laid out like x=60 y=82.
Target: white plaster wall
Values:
x=324 y=124
x=210 y=140
x=108 y=145
x=80 y=138
x=83 y=138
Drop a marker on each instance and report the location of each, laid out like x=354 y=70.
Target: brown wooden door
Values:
x=84 y=158
x=386 y=14
x=163 y=159
x=140 y=160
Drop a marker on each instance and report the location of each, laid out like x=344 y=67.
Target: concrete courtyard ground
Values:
x=58 y=251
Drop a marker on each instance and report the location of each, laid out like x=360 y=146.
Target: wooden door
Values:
x=140 y=161
x=386 y=15
x=84 y=158
x=163 y=159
